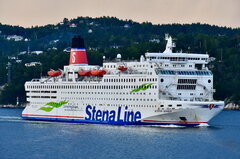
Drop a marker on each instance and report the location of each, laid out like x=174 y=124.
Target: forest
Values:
x=108 y=36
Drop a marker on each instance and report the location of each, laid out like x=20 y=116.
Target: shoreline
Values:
x=232 y=106
x=12 y=106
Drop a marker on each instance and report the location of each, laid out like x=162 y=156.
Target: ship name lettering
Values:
x=112 y=115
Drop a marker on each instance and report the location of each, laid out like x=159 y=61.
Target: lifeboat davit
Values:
x=54 y=73
x=84 y=73
x=122 y=68
x=98 y=72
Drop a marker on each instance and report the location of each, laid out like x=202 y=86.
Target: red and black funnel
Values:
x=78 y=54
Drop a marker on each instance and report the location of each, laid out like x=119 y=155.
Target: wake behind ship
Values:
x=160 y=89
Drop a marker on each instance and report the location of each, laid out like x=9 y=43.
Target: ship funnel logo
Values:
x=78 y=54
x=73 y=57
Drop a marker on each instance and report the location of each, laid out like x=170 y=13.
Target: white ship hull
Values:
x=193 y=114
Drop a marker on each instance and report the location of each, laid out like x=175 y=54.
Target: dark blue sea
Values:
x=22 y=139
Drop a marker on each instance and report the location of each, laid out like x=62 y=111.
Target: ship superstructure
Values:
x=160 y=89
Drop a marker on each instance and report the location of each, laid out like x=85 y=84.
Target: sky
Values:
x=29 y=13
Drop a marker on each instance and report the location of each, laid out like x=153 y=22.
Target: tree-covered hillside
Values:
x=109 y=36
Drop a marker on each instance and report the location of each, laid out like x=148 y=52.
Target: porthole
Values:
x=162 y=80
x=209 y=81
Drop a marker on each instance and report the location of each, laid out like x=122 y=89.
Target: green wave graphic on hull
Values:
x=142 y=87
x=49 y=106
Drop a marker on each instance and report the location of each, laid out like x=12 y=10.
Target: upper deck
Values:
x=173 y=76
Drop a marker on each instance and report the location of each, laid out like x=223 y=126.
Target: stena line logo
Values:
x=112 y=115
x=73 y=57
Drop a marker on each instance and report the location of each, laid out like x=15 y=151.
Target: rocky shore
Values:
x=232 y=106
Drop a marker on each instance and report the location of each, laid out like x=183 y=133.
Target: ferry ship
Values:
x=162 y=88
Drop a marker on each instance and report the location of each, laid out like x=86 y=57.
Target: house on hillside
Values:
x=36 y=52
x=126 y=26
x=90 y=31
x=12 y=58
x=22 y=53
x=115 y=46
x=14 y=37
x=72 y=25
x=154 y=40
x=51 y=48
x=18 y=61
x=32 y=64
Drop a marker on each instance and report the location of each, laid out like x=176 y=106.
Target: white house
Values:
x=73 y=25
x=32 y=64
x=36 y=52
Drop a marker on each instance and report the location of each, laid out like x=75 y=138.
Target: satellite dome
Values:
x=119 y=56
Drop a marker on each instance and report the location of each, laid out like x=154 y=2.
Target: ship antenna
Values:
x=9 y=65
x=221 y=55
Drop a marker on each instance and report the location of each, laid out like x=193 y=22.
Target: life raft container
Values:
x=53 y=73
x=122 y=68
x=84 y=73
x=98 y=72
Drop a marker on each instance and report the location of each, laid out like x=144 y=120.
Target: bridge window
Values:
x=190 y=81
x=190 y=87
x=171 y=72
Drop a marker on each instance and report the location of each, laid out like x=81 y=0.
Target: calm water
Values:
x=21 y=139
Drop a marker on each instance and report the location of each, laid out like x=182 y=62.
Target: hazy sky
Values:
x=29 y=13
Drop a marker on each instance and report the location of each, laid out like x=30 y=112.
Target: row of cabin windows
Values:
x=153 y=106
x=170 y=105
x=178 y=58
x=117 y=105
x=119 y=80
x=120 y=105
x=110 y=66
x=115 y=66
x=190 y=94
x=52 y=97
x=131 y=80
x=108 y=99
x=42 y=91
x=148 y=80
x=181 y=65
x=119 y=93
x=140 y=65
x=170 y=58
x=42 y=103
x=83 y=87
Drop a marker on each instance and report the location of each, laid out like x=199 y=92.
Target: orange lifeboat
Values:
x=84 y=73
x=53 y=73
x=98 y=72
x=122 y=68
x=102 y=72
